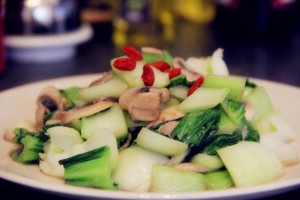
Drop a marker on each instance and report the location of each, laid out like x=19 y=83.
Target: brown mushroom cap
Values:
x=127 y=97
x=143 y=104
x=167 y=114
x=49 y=99
x=163 y=93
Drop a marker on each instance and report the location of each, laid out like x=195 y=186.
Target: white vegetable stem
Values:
x=62 y=140
x=284 y=151
x=135 y=166
x=250 y=163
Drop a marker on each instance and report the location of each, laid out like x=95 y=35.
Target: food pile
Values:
x=156 y=123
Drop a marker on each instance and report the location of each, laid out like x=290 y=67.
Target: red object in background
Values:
x=2 y=55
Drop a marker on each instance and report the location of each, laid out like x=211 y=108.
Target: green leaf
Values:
x=235 y=111
x=220 y=141
x=196 y=126
x=178 y=80
x=250 y=133
x=89 y=169
x=250 y=84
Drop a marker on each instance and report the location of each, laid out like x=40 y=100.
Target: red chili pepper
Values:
x=173 y=72
x=132 y=52
x=196 y=85
x=161 y=65
x=124 y=64
x=148 y=75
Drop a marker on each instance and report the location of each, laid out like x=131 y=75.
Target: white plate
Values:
x=19 y=103
x=83 y=33
x=46 y=48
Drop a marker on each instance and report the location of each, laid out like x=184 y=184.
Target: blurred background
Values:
x=43 y=39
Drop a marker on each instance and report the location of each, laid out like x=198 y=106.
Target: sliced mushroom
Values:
x=49 y=99
x=127 y=142
x=143 y=104
x=167 y=114
x=168 y=127
x=65 y=117
x=180 y=63
x=103 y=79
x=56 y=118
x=78 y=113
x=39 y=117
x=191 y=167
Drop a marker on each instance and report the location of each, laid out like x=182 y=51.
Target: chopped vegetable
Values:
x=211 y=162
x=178 y=80
x=274 y=122
x=235 y=111
x=135 y=167
x=114 y=87
x=196 y=126
x=226 y=125
x=168 y=179
x=203 y=98
x=73 y=95
x=106 y=119
x=260 y=101
x=217 y=142
x=218 y=180
x=250 y=163
x=101 y=137
x=32 y=145
x=90 y=169
x=236 y=85
x=60 y=146
x=161 y=144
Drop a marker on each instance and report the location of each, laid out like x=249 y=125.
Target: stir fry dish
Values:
x=158 y=123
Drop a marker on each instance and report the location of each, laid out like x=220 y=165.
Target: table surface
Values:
x=275 y=59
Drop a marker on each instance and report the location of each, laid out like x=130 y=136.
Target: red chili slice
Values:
x=148 y=75
x=173 y=72
x=198 y=83
x=132 y=52
x=161 y=65
x=125 y=64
